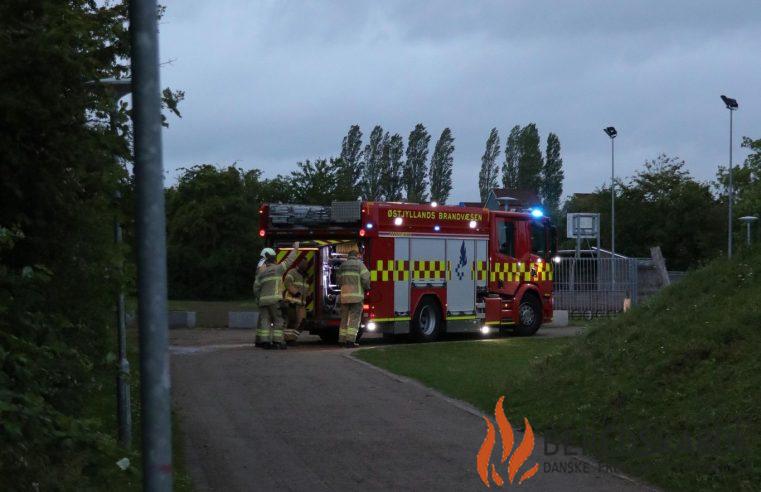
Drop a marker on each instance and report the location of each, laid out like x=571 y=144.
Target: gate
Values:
x=590 y=287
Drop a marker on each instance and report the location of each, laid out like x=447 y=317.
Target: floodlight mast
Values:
x=732 y=106
x=612 y=133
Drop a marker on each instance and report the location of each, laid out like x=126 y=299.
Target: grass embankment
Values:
x=477 y=372
x=670 y=392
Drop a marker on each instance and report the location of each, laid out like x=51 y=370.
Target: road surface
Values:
x=312 y=418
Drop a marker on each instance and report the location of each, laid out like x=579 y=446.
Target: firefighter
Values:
x=295 y=300
x=354 y=280
x=260 y=266
x=268 y=290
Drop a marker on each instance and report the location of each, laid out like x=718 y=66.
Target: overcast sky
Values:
x=269 y=83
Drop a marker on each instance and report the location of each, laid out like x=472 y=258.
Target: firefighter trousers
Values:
x=351 y=317
x=294 y=314
x=270 y=324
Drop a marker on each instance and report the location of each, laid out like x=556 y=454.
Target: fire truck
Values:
x=434 y=269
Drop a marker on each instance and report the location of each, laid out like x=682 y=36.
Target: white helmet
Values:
x=267 y=252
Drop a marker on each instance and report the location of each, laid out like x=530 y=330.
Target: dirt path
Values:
x=312 y=418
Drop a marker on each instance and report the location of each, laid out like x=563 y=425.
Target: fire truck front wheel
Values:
x=427 y=322
x=529 y=315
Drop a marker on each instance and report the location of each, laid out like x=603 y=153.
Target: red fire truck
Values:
x=434 y=269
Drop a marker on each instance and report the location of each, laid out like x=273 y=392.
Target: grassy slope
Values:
x=670 y=392
x=474 y=372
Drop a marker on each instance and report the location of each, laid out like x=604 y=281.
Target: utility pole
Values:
x=151 y=248
x=120 y=88
x=732 y=107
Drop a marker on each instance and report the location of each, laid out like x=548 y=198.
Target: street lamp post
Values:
x=119 y=88
x=612 y=133
x=748 y=220
x=732 y=107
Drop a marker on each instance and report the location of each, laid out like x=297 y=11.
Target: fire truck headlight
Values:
x=485 y=330
x=437 y=228
x=371 y=326
x=398 y=221
x=473 y=224
x=556 y=259
x=369 y=225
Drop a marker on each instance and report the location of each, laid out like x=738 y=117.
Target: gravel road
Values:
x=313 y=418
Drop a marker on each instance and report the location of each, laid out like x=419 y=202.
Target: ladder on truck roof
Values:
x=288 y=214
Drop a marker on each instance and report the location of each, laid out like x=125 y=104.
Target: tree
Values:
x=746 y=181
x=393 y=169
x=661 y=205
x=487 y=177
x=349 y=166
x=512 y=158
x=415 y=182
x=373 y=164
x=530 y=161
x=441 y=167
x=61 y=163
x=212 y=232
x=314 y=183
x=552 y=174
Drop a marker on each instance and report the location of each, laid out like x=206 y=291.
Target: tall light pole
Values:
x=612 y=133
x=150 y=222
x=119 y=88
x=748 y=220
x=732 y=107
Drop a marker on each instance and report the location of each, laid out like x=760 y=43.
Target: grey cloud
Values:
x=271 y=83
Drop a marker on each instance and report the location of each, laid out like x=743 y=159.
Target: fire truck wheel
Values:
x=426 y=324
x=529 y=316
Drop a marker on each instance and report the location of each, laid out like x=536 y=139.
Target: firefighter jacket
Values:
x=295 y=287
x=354 y=279
x=268 y=285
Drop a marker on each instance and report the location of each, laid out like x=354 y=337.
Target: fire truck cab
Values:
x=433 y=269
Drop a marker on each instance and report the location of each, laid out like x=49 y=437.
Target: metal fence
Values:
x=590 y=287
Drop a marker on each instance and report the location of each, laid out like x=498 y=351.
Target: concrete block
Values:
x=242 y=319
x=559 y=318
x=182 y=319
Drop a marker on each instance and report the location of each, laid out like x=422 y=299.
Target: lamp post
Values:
x=748 y=220
x=119 y=88
x=150 y=222
x=732 y=107
x=612 y=133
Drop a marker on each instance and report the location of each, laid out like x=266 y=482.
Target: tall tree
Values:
x=373 y=165
x=487 y=178
x=512 y=157
x=530 y=160
x=552 y=174
x=441 y=167
x=392 y=175
x=415 y=182
x=349 y=166
x=315 y=182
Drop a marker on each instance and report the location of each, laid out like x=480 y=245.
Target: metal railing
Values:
x=592 y=287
